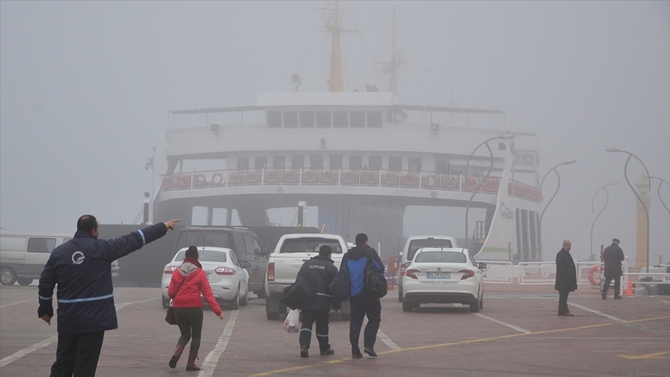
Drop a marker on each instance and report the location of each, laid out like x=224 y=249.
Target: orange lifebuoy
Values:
x=450 y=182
x=235 y=178
x=592 y=278
x=271 y=177
x=217 y=179
x=168 y=183
x=428 y=181
x=310 y=176
x=253 y=178
x=410 y=180
x=390 y=179
x=199 y=180
x=350 y=177
x=329 y=177
x=290 y=177
x=370 y=178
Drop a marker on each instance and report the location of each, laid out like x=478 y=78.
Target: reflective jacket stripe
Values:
x=74 y=300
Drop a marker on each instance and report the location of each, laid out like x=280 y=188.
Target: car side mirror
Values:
x=258 y=251
x=407 y=264
x=481 y=265
x=246 y=264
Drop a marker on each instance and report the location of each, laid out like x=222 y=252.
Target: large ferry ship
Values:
x=361 y=157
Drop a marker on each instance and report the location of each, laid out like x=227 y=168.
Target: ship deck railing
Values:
x=421 y=180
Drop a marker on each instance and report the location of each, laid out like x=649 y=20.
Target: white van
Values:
x=23 y=255
x=415 y=243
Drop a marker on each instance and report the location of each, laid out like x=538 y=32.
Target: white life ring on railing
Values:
x=592 y=278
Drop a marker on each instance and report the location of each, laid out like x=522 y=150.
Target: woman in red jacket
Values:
x=187 y=282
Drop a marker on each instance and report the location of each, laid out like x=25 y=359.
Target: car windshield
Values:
x=440 y=257
x=415 y=245
x=309 y=245
x=217 y=238
x=204 y=256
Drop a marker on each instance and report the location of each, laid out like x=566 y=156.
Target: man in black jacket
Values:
x=566 y=278
x=320 y=271
x=81 y=268
x=613 y=256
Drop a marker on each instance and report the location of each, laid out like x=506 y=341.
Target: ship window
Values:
x=374 y=119
x=323 y=119
x=260 y=162
x=290 y=119
x=278 y=162
x=340 y=119
x=316 y=161
x=375 y=162
x=395 y=163
x=357 y=118
x=335 y=162
x=274 y=118
x=442 y=167
x=415 y=164
x=242 y=163
x=297 y=161
x=306 y=119
x=355 y=162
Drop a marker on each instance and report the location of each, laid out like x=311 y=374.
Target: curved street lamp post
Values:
x=465 y=174
x=660 y=199
x=625 y=174
x=552 y=197
x=607 y=199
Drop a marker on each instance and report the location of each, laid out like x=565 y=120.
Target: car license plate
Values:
x=438 y=275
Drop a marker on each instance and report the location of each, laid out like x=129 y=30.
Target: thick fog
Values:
x=86 y=87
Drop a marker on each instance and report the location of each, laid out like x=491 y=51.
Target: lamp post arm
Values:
x=659 y=193
x=555 y=192
x=607 y=199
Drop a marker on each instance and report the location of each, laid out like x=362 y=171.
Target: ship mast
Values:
x=391 y=67
x=333 y=25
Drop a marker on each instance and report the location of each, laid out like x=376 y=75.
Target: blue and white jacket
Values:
x=81 y=268
x=356 y=259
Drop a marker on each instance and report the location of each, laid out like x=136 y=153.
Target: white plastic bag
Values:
x=292 y=321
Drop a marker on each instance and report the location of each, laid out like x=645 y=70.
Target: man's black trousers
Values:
x=77 y=354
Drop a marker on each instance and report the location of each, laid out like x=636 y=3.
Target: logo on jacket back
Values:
x=78 y=257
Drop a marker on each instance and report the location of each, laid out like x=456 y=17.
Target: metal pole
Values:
x=552 y=197
x=607 y=196
x=659 y=193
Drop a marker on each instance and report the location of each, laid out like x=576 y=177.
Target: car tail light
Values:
x=411 y=273
x=224 y=271
x=402 y=270
x=271 y=271
x=169 y=269
x=467 y=274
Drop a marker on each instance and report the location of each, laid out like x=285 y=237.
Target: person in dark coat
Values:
x=566 y=278
x=81 y=268
x=320 y=271
x=361 y=304
x=613 y=256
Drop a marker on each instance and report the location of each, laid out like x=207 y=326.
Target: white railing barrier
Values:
x=498 y=272
x=537 y=273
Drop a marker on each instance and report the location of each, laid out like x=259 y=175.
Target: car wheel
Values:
x=7 y=276
x=235 y=302
x=165 y=302
x=400 y=294
x=272 y=316
x=24 y=281
x=408 y=306
x=245 y=299
x=474 y=306
x=481 y=302
x=261 y=293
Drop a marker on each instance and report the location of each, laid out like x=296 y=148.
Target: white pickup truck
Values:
x=291 y=252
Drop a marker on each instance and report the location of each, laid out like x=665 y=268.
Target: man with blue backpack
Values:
x=364 y=266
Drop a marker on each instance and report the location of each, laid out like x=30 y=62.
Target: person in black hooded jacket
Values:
x=320 y=271
x=81 y=268
x=361 y=304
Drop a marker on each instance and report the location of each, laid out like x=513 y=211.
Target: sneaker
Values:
x=327 y=352
x=370 y=351
x=618 y=297
x=303 y=352
x=604 y=296
x=356 y=356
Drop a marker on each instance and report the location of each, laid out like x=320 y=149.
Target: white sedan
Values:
x=443 y=276
x=227 y=276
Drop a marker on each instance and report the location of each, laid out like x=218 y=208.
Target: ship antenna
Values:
x=333 y=25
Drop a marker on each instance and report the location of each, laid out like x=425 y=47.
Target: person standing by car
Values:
x=566 y=278
x=613 y=256
x=187 y=283
x=320 y=271
x=81 y=268
x=361 y=304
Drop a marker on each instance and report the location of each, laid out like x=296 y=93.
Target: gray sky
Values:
x=86 y=87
